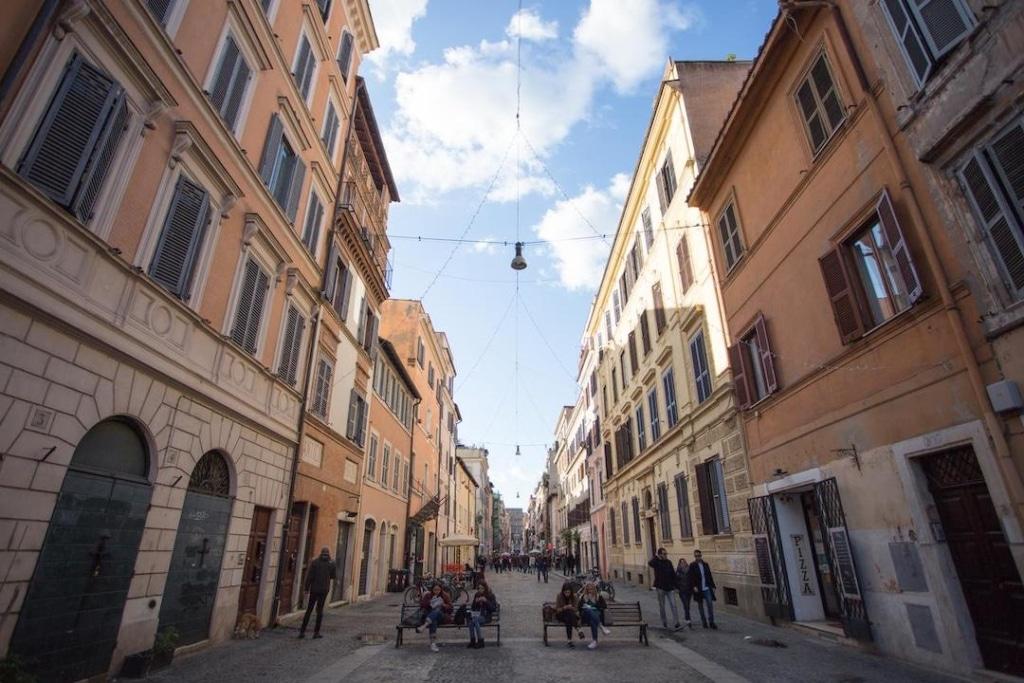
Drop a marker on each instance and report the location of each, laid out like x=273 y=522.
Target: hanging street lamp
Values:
x=519 y=263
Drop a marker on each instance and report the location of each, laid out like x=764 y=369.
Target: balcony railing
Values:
x=351 y=201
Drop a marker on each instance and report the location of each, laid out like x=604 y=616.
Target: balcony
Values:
x=354 y=215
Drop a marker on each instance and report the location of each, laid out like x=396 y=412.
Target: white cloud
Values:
x=580 y=263
x=486 y=246
x=393 y=20
x=528 y=24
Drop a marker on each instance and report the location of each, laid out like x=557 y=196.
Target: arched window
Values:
x=113 y=446
x=211 y=475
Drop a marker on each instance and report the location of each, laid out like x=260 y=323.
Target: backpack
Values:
x=460 y=616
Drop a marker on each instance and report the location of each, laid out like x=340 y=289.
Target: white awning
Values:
x=459 y=540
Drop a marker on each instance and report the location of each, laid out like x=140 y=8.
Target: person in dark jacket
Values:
x=683 y=586
x=702 y=583
x=566 y=611
x=483 y=607
x=319 y=575
x=665 y=583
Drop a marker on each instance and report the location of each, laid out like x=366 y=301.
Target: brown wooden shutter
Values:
x=707 y=503
x=685 y=267
x=898 y=244
x=840 y=294
x=767 y=357
x=662 y=203
x=739 y=375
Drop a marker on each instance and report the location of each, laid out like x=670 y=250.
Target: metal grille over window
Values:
x=211 y=475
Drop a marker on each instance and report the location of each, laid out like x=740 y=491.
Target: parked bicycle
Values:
x=593 y=576
x=454 y=586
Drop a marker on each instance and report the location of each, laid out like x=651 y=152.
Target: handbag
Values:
x=549 y=613
x=460 y=616
x=416 y=618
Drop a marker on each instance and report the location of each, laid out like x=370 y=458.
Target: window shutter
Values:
x=767 y=357
x=636 y=518
x=303 y=66
x=99 y=164
x=944 y=23
x=840 y=294
x=69 y=132
x=645 y=332
x=330 y=128
x=345 y=55
x=997 y=220
x=160 y=9
x=685 y=268
x=361 y=327
x=181 y=237
x=353 y=416
x=1007 y=150
x=270 y=146
x=290 y=346
x=237 y=89
x=898 y=244
x=332 y=272
x=670 y=169
x=910 y=40
x=314 y=215
x=246 y=295
x=625 y=524
x=659 y=181
x=739 y=375
x=298 y=175
x=225 y=74
x=256 y=317
x=707 y=501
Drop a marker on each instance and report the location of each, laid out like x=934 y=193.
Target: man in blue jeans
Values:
x=702 y=583
x=665 y=583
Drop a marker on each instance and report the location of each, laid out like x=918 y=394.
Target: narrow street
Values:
x=352 y=650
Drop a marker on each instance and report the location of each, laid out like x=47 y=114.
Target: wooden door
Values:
x=291 y=558
x=341 y=559
x=256 y=552
x=988 y=575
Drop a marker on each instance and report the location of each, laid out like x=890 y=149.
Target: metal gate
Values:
x=770 y=564
x=851 y=598
x=194 y=573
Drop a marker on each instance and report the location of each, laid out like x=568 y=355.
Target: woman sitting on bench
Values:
x=591 y=610
x=484 y=605
x=438 y=608
x=566 y=611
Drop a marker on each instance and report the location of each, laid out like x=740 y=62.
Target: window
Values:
x=645 y=333
x=371 y=458
x=660 y=323
x=430 y=375
x=641 y=428
x=634 y=363
x=608 y=458
x=611 y=523
x=664 y=514
x=615 y=386
x=622 y=365
x=668 y=382
x=181 y=238
x=608 y=325
x=322 y=390
x=683 y=258
x=305 y=64
x=252 y=296
x=368 y=326
x=683 y=504
x=992 y=181
x=666 y=182
x=385 y=465
x=927 y=29
x=714 y=510
x=753 y=365
x=325 y=9
x=357 y=413
x=652 y=413
x=329 y=136
x=281 y=169
x=701 y=371
x=291 y=343
x=420 y=351
x=636 y=519
x=229 y=83
x=625 y=524
x=819 y=103
x=397 y=474
x=645 y=217
x=314 y=219
x=345 y=55
x=728 y=229
x=76 y=138
x=405 y=477
x=339 y=283
x=870 y=277
x=161 y=10
x=616 y=308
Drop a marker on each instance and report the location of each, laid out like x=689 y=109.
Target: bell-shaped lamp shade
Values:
x=519 y=263
x=518 y=452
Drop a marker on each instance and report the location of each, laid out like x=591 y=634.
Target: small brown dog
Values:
x=248 y=626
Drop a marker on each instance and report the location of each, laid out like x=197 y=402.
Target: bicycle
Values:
x=593 y=576
x=414 y=593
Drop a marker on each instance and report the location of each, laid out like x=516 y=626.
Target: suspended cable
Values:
x=487 y=346
x=544 y=339
x=505 y=243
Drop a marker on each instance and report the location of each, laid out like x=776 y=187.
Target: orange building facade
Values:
x=877 y=459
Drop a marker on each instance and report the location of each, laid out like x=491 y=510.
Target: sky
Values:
x=445 y=88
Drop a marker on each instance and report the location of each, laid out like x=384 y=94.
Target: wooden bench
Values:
x=617 y=615
x=410 y=610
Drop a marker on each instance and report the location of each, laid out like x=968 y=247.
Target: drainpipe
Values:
x=408 y=492
x=314 y=342
x=46 y=13
x=1011 y=476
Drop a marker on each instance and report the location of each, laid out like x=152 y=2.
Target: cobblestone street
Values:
x=358 y=646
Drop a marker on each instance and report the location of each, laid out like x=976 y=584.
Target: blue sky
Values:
x=443 y=85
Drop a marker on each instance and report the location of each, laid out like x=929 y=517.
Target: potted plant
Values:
x=163 y=647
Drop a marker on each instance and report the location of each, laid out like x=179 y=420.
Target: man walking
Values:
x=665 y=584
x=702 y=583
x=319 y=575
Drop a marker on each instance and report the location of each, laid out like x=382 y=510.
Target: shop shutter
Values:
x=181 y=237
x=275 y=133
x=841 y=296
x=739 y=375
x=685 y=267
x=898 y=244
x=767 y=357
x=910 y=40
x=1002 y=232
x=706 y=498
x=291 y=206
x=944 y=23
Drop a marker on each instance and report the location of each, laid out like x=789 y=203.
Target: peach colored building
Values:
x=169 y=177
x=886 y=499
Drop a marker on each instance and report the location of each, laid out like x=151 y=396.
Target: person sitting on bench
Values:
x=566 y=611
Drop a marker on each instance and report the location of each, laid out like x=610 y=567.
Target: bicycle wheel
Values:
x=412 y=595
x=460 y=596
x=608 y=590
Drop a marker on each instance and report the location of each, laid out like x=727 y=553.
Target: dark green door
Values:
x=194 y=572
x=68 y=625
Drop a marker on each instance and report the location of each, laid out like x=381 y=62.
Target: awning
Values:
x=459 y=540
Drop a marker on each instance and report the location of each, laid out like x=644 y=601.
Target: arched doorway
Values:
x=68 y=625
x=194 y=572
x=364 y=562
